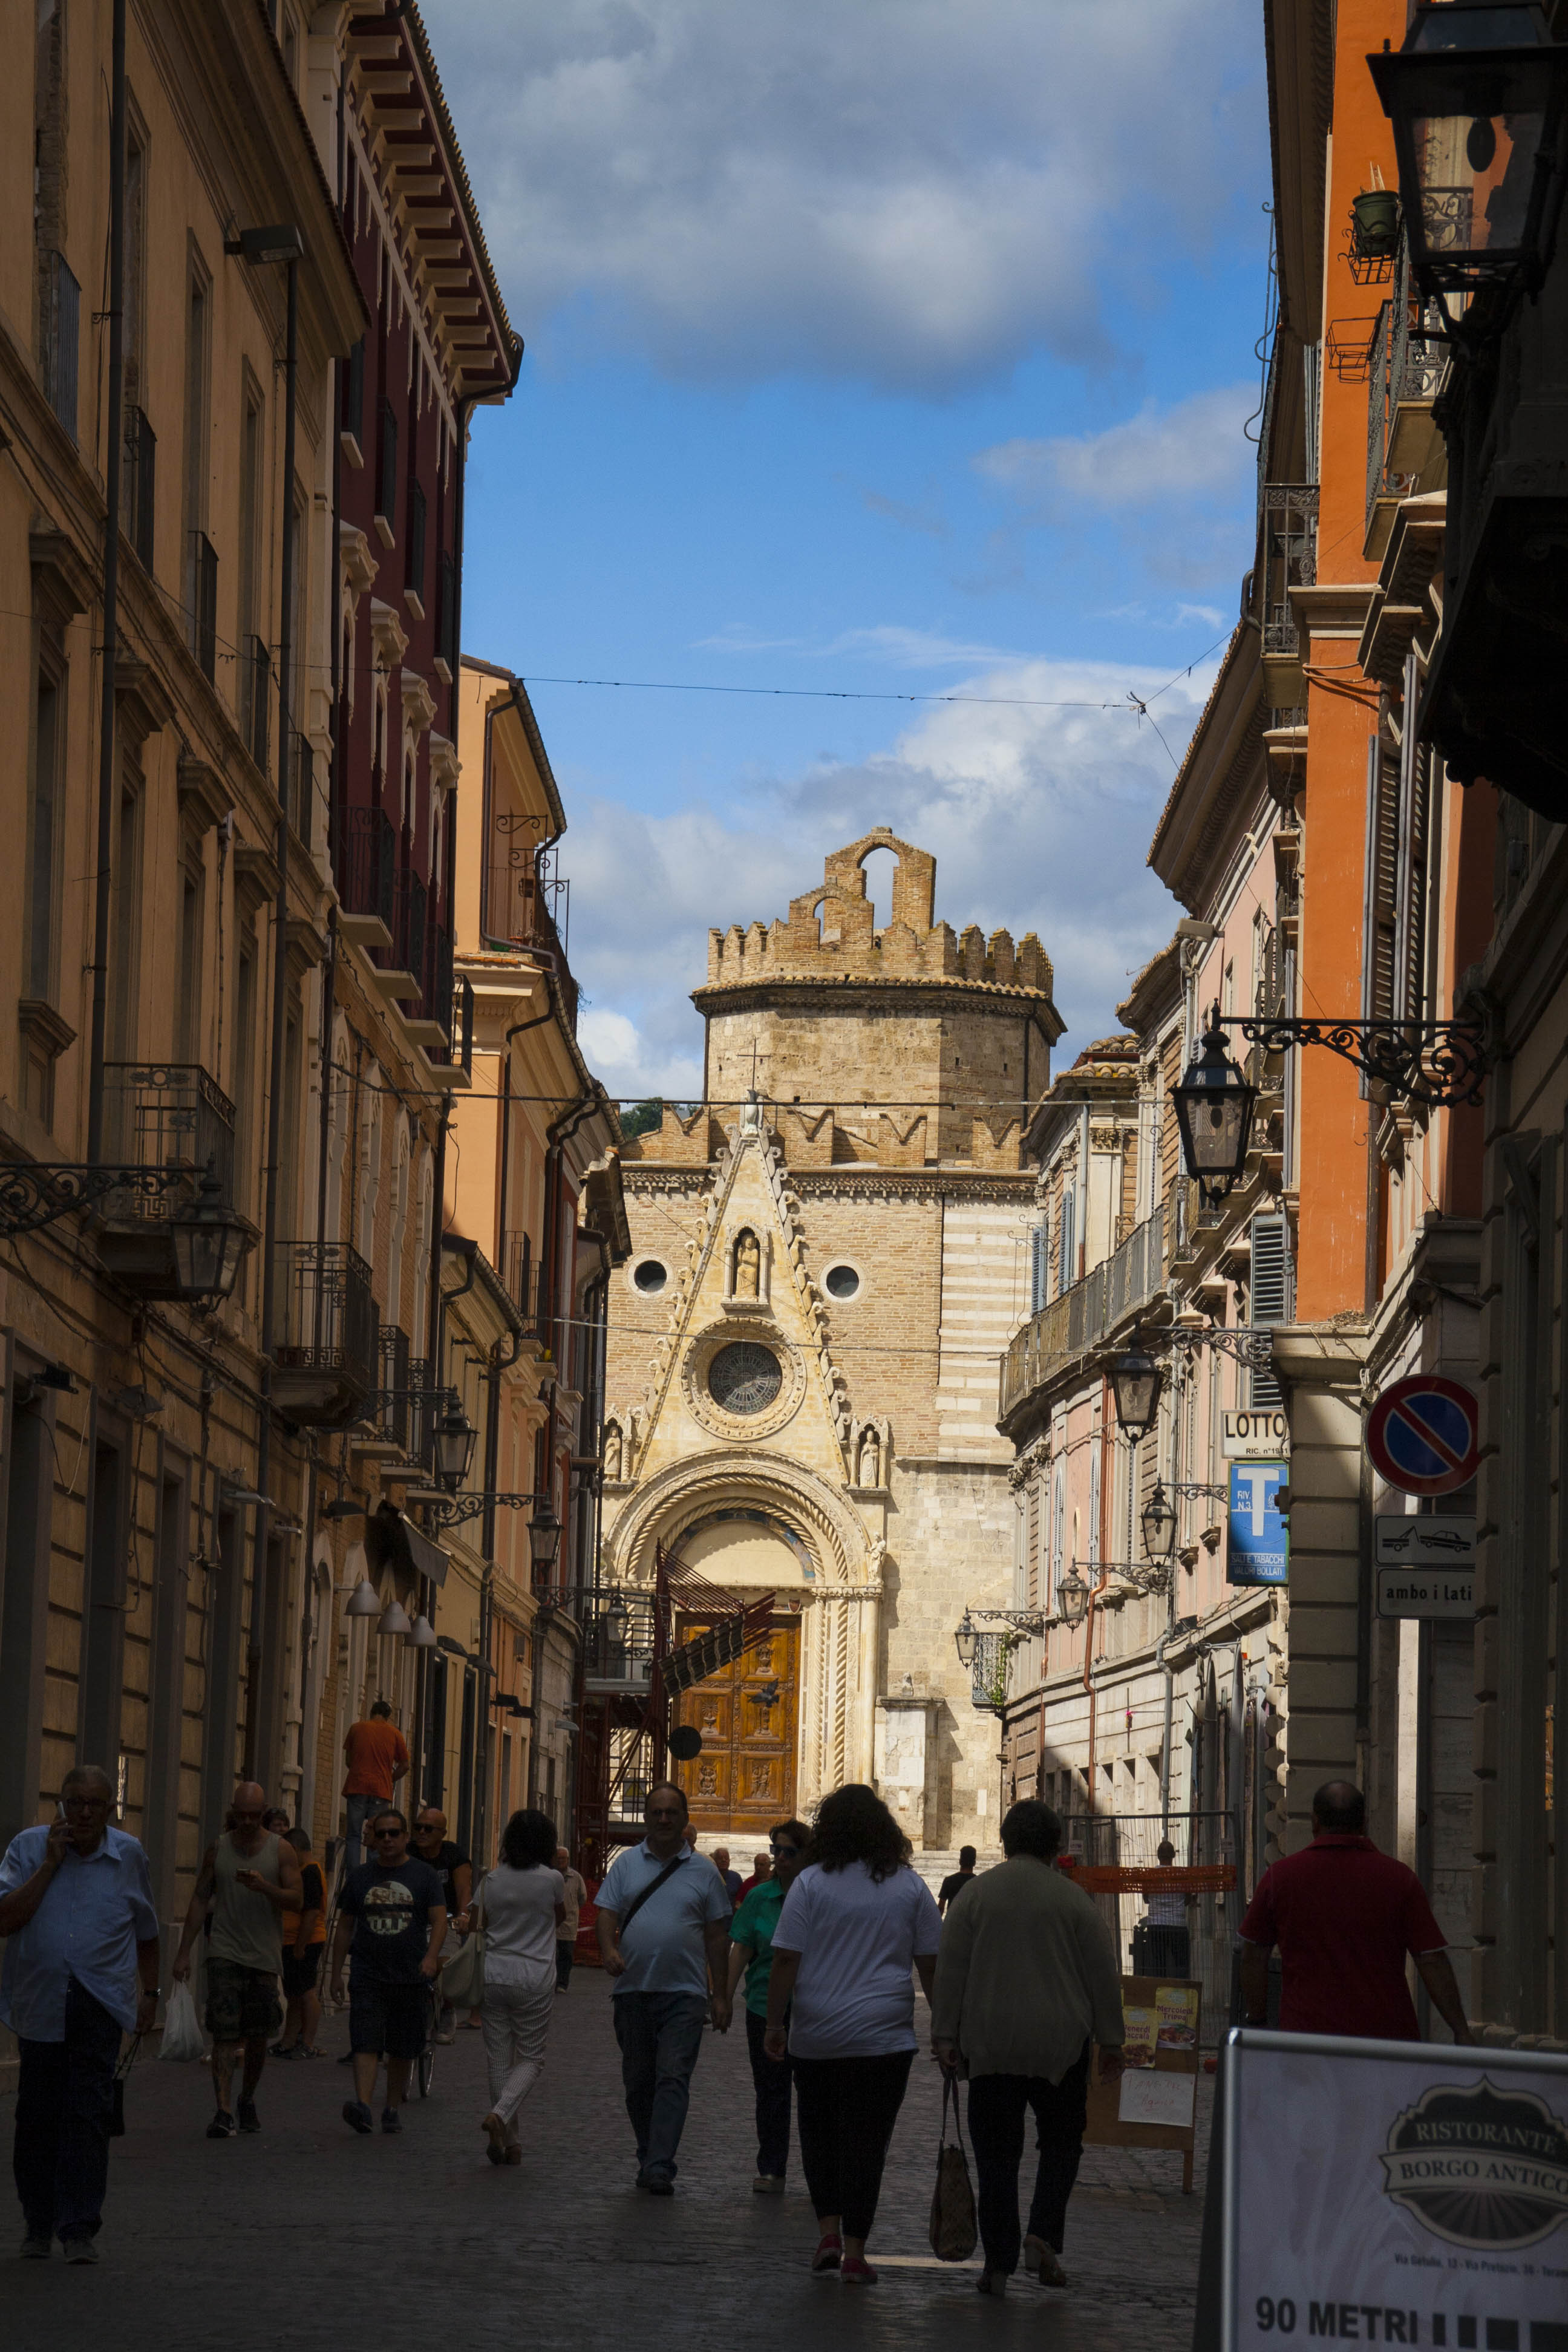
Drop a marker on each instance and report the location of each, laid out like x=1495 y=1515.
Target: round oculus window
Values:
x=842 y=1282
x=744 y=1377
x=650 y=1276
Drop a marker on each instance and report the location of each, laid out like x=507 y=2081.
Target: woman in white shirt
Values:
x=854 y=1923
x=521 y=1908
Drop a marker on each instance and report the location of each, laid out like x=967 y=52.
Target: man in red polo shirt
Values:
x=1344 y=1915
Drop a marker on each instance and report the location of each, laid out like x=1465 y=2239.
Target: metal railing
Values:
x=302 y=788
x=617 y=1651
x=1088 y=1312
x=167 y=1114
x=1409 y=364
x=1289 y=558
x=255 y=699
x=1207 y=1944
x=524 y=1284
x=201 y=596
x=447 y=611
x=392 y=1379
x=326 y=1315
x=413 y=564
x=138 y=485
x=60 y=339
x=364 y=863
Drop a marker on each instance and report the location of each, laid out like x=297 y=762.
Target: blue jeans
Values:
x=65 y=2098
x=661 y=2034
x=360 y=1811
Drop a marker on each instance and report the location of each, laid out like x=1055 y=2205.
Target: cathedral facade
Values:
x=829 y=1254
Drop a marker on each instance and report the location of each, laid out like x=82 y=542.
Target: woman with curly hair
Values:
x=520 y=1906
x=852 y=1925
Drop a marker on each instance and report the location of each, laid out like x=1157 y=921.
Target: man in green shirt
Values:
x=751 y=1951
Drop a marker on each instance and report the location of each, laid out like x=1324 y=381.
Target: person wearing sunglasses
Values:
x=752 y=1951
x=391 y=1924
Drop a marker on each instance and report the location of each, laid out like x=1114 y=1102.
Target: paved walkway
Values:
x=307 y=2237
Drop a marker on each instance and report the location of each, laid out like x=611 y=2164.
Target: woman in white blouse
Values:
x=521 y=1908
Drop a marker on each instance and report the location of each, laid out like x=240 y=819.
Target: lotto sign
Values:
x=1417 y=2195
x=1423 y=1435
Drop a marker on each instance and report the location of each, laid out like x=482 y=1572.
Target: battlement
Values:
x=830 y=934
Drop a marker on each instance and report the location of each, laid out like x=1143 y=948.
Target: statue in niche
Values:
x=612 y=1450
x=748 y=1266
x=870 y=1467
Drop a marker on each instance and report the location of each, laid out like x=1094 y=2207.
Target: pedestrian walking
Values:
x=391 y=1924
x=1345 y=1916
x=377 y=1756
x=732 y=1879
x=1170 y=1943
x=430 y=1844
x=81 y=1968
x=521 y=1908
x=852 y=1925
x=574 y=1894
x=762 y=1868
x=752 y=1951
x=1027 y=1982
x=953 y=1885
x=304 y=1948
x=663 y=1925
x=249 y=1877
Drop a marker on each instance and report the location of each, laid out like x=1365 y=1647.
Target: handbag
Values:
x=953 y=2229
x=117 y=2114
x=461 y=1979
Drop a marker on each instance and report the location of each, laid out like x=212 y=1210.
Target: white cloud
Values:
x=1039 y=819
x=907 y=192
x=900 y=648
x=1193 y=451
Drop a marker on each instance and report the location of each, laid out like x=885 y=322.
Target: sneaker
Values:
x=1042 y=2259
x=223 y=2125
x=768 y=2184
x=494 y=2131
x=249 y=2121
x=992 y=2283
x=828 y=2255
x=283 y=2049
x=357 y=2115
x=856 y=2270
x=444 y=2036
x=37 y=2246
x=391 y=2119
x=80 y=2250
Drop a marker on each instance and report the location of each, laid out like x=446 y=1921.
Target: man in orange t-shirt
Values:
x=377 y=1759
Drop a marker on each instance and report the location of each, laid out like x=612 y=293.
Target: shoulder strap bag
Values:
x=635 y=1904
x=953 y=2229
x=462 y=1978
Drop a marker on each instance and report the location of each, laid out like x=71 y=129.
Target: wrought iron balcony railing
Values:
x=1087 y=1313
x=1409 y=365
x=59 y=342
x=364 y=864
x=201 y=601
x=328 y=1332
x=256 y=698
x=1290 y=560
x=138 y=485
x=165 y=1115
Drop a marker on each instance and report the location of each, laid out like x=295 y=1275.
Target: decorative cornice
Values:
x=906 y=996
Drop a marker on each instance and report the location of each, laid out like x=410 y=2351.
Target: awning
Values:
x=392 y=1541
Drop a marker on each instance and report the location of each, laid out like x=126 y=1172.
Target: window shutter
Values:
x=1410 y=884
x=1065 y=1261
x=1380 y=923
x=1039 y=1265
x=1269 y=1297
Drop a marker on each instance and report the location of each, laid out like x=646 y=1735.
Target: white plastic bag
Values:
x=182 y=2028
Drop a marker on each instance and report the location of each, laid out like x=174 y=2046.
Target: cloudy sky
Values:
x=900 y=349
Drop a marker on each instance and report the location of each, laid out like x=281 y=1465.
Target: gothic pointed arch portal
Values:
x=751 y=1522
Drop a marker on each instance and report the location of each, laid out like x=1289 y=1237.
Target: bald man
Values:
x=1345 y=1916
x=250 y=1876
x=81 y=1967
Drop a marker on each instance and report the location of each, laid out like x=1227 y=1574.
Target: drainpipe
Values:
x=1104 y=1578
x=102 y=901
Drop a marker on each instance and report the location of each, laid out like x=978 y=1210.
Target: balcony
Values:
x=524 y=1285
x=302 y=789
x=159 y=1115
x=401 y=965
x=617 y=1653
x=201 y=601
x=528 y=903
x=60 y=321
x=255 y=699
x=326 y=1354
x=364 y=868
x=1087 y=1314
x=1290 y=560
x=1409 y=365
x=138 y=485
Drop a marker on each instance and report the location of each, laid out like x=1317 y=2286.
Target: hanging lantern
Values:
x=1135 y=1384
x=964 y=1641
x=1214 y=1114
x=1159 y=1519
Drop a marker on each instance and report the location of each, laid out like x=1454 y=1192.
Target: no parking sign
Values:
x=1424 y=1435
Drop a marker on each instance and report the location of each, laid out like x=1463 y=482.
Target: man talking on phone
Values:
x=81 y=1968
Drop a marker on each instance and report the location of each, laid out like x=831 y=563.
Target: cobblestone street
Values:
x=309 y=2237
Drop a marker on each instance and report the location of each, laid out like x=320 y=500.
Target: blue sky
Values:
x=901 y=347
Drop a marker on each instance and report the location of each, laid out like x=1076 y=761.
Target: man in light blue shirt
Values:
x=75 y=1907
x=664 y=1932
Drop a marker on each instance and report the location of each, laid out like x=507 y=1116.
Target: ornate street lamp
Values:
x=1135 y=1384
x=965 y=1641
x=454 y=1439
x=1214 y=1114
x=210 y=1241
x=543 y=1539
x=1159 y=1520
x=1072 y=1598
x=615 y=1620
x=1479 y=100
